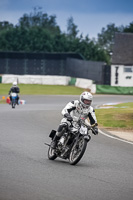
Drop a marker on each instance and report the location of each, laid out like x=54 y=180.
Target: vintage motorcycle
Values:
x=73 y=143
x=14 y=97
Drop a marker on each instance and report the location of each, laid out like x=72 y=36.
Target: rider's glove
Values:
x=95 y=131
x=68 y=116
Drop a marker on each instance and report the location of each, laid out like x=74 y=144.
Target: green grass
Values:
x=2 y=101
x=42 y=89
x=117 y=117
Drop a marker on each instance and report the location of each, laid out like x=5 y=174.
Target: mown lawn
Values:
x=118 y=117
x=32 y=89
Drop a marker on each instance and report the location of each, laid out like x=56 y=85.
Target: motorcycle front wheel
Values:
x=77 y=151
x=51 y=154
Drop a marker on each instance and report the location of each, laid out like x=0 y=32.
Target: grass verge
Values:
x=2 y=101
x=118 y=117
x=32 y=89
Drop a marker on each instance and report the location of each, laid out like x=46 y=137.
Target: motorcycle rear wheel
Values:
x=51 y=154
x=77 y=151
x=13 y=105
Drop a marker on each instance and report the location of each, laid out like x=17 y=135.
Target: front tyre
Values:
x=51 y=154
x=77 y=151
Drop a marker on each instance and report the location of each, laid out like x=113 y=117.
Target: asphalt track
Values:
x=105 y=172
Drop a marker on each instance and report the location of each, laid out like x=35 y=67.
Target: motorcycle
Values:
x=14 y=99
x=72 y=144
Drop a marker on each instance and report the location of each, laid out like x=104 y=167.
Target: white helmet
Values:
x=86 y=99
x=14 y=83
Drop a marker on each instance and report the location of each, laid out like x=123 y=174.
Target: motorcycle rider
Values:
x=73 y=110
x=14 y=89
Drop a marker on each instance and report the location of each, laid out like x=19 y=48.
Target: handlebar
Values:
x=81 y=122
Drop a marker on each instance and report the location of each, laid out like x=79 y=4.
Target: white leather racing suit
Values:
x=76 y=110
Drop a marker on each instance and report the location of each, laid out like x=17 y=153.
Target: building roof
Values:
x=40 y=55
x=123 y=49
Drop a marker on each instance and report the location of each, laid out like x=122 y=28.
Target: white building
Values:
x=122 y=60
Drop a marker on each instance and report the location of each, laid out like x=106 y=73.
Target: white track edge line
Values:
x=113 y=137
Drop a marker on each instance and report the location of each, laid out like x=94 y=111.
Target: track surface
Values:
x=105 y=171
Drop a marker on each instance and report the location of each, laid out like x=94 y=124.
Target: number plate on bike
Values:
x=83 y=130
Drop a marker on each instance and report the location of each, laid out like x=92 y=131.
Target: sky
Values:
x=90 y=16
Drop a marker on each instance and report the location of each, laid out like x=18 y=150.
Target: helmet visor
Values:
x=87 y=102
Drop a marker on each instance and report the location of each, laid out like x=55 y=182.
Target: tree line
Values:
x=39 y=32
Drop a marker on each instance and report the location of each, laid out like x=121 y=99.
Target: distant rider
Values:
x=14 y=89
x=73 y=110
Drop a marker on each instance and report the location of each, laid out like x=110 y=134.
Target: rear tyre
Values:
x=77 y=151
x=13 y=105
x=51 y=154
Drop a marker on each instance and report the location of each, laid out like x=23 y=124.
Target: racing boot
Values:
x=54 y=142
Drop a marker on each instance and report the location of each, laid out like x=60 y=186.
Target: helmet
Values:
x=86 y=99
x=14 y=83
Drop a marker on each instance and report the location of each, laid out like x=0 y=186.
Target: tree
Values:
x=39 y=19
x=105 y=38
x=72 y=30
x=129 y=28
x=5 y=25
x=38 y=32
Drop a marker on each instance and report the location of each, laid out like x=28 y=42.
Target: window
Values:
x=128 y=69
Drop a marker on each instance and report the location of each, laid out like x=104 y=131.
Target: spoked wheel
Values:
x=77 y=151
x=51 y=154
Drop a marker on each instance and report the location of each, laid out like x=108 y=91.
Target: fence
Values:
x=63 y=64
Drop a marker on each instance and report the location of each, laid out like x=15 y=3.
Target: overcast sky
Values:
x=89 y=15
